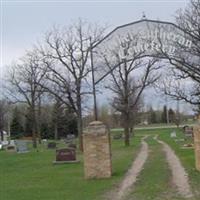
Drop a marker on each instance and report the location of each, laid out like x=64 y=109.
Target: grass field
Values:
x=32 y=176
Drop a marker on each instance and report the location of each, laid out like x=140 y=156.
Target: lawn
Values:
x=32 y=176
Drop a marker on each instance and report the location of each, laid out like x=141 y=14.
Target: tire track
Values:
x=179 y=175
x=132 y=174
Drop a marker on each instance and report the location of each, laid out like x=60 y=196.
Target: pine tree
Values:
x=171 y=115
x=153 y=116
x=28 y=125
x=16 y=128
x=164 y=114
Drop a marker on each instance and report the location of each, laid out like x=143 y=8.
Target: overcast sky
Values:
x=24 y=22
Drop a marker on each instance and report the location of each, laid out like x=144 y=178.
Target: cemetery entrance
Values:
x=141 y=40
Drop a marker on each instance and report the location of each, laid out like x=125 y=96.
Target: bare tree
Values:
x=180 y=89
x=24 y=79
x=70 y=48
x=186 y=59
x=128 y=82
x=57 y=110
x=184 y=81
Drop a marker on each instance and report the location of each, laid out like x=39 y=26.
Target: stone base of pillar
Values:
x=197 y=146
x=97 y=151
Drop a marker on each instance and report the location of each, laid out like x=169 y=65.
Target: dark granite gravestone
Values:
x=22 y=146
x=188 y=131
x=67 y=155
x=11 y=148
x=51 y=145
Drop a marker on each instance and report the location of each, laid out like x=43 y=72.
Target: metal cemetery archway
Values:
x=143 y=38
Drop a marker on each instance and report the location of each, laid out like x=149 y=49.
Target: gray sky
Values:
x=24 y=22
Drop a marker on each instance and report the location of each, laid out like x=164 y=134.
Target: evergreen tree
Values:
x=64 y=121
x=28 y=125
x=16 y=128
x=171 y=115
x=46 y=131
x=56 y=118
x=152 y=116
x=164 y=114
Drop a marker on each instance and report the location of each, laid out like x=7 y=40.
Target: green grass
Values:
x=32 y=176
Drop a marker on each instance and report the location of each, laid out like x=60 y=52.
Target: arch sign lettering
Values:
x=145 y=38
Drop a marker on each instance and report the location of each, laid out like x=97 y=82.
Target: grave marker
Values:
x=66 y=155
x=51 y=145
x=11 y=148
x=117 y=136
x=173 y=134
x=22 y=146
x=188 y=131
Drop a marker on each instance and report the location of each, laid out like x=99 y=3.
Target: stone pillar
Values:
x=197 y=145
x=97 y=151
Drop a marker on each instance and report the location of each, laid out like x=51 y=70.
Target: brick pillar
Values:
x=197 y=145
x=97 y=151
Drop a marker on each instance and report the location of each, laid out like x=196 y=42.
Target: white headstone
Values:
x=173 y=134
x=4 y=143
x=12 y=142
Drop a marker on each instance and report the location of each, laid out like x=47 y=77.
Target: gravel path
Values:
x=132 y=174
x=179 y=175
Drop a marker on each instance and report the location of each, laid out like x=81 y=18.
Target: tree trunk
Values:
x=34 y=127
x=126 y=139
x=127 y=111
x=80 y=131
x=56 y=131
x=39 y=132
x=79 y=115
x=39 y=137
x=9 y=129
x=126 y=134
x=126 y=130
x=34 y=136
x=38 y=121
x=132 y=131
